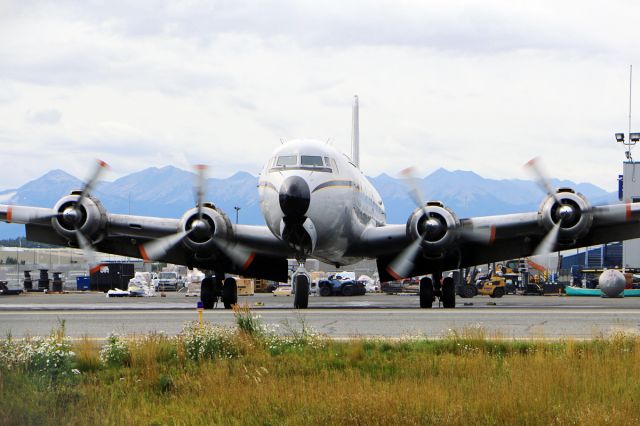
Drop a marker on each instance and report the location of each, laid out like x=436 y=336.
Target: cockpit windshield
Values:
x=315 y=163
x=287 y=160
x=311 y=160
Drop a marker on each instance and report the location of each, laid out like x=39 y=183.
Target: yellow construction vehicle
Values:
x=493 y=284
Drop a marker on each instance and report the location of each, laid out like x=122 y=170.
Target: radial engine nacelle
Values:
x=572 y=213
x=436 y=225
x=89 y=218
x=205 y=232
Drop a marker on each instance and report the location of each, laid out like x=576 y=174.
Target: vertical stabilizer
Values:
x=355 y=134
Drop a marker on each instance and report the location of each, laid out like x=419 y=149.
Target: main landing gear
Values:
x=430 y=288
x=216 y=287
x=426 y=293
x=230 y=293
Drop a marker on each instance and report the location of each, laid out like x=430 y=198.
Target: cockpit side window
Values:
x=287 y=160
x=311 y=160
x=335 y=166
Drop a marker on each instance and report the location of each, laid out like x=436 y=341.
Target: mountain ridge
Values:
x=168 y=192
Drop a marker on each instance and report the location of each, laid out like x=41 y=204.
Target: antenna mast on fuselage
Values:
x=355 y=134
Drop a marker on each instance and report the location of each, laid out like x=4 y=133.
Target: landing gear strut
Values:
x=437 y=284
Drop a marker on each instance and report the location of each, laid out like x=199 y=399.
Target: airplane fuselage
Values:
x=313 y=197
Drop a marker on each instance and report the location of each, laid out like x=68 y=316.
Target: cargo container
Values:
x=111 y=276
x=83 y=283
x=246 y=286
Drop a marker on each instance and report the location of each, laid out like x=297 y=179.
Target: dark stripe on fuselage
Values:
x=334 y=183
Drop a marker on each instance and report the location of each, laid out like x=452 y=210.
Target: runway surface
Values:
x=374 y=315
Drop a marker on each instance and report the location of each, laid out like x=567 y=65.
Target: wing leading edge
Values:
x=251 y=251
x=487 y=239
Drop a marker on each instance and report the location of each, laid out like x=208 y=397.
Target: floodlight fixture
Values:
x=619 y=137
x=634 y=137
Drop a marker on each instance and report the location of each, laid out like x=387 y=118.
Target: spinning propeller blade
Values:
x=542 y=178
x=548 y=242
x=401 y=266
x=91 y=182
x=201 y=178
x=88 y=251
x=535 y=167
x=84 y=243
x=156 y=249
x=410 y=178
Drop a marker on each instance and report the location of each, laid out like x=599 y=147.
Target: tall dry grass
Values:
x=465 y=378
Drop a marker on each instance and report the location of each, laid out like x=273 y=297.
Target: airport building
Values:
x=629 y=191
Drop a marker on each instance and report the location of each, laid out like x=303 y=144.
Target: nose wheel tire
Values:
x=426 y=293
x=301 y=297
x=229 y=293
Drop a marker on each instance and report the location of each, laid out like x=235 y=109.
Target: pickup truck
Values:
x=169 y=281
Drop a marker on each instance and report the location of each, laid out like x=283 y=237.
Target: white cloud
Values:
x=477 y=86
x=49 y=116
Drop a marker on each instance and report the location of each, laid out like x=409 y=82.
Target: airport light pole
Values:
x=237 y=213
x=633 y=139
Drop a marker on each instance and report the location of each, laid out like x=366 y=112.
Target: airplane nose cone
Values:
x=294 y=196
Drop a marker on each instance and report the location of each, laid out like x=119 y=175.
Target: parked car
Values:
x=335 y=287
x=6 y=290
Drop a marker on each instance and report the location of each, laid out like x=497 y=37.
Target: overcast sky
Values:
x=481 y=86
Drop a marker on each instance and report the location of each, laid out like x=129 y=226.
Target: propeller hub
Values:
x=433 y=228
x=200 y=229
x=71 y=215
x=565 y=212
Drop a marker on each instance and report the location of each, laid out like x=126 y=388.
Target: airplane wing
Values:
x=204 y=237
x=435 y=240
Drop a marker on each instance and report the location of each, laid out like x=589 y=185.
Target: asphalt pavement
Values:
x=372 y=315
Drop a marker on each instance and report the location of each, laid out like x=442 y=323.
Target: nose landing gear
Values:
x=300 y=282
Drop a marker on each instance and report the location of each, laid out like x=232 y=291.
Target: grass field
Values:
x=251 y=375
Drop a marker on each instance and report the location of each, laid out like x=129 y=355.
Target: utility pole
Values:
x=18 y=258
